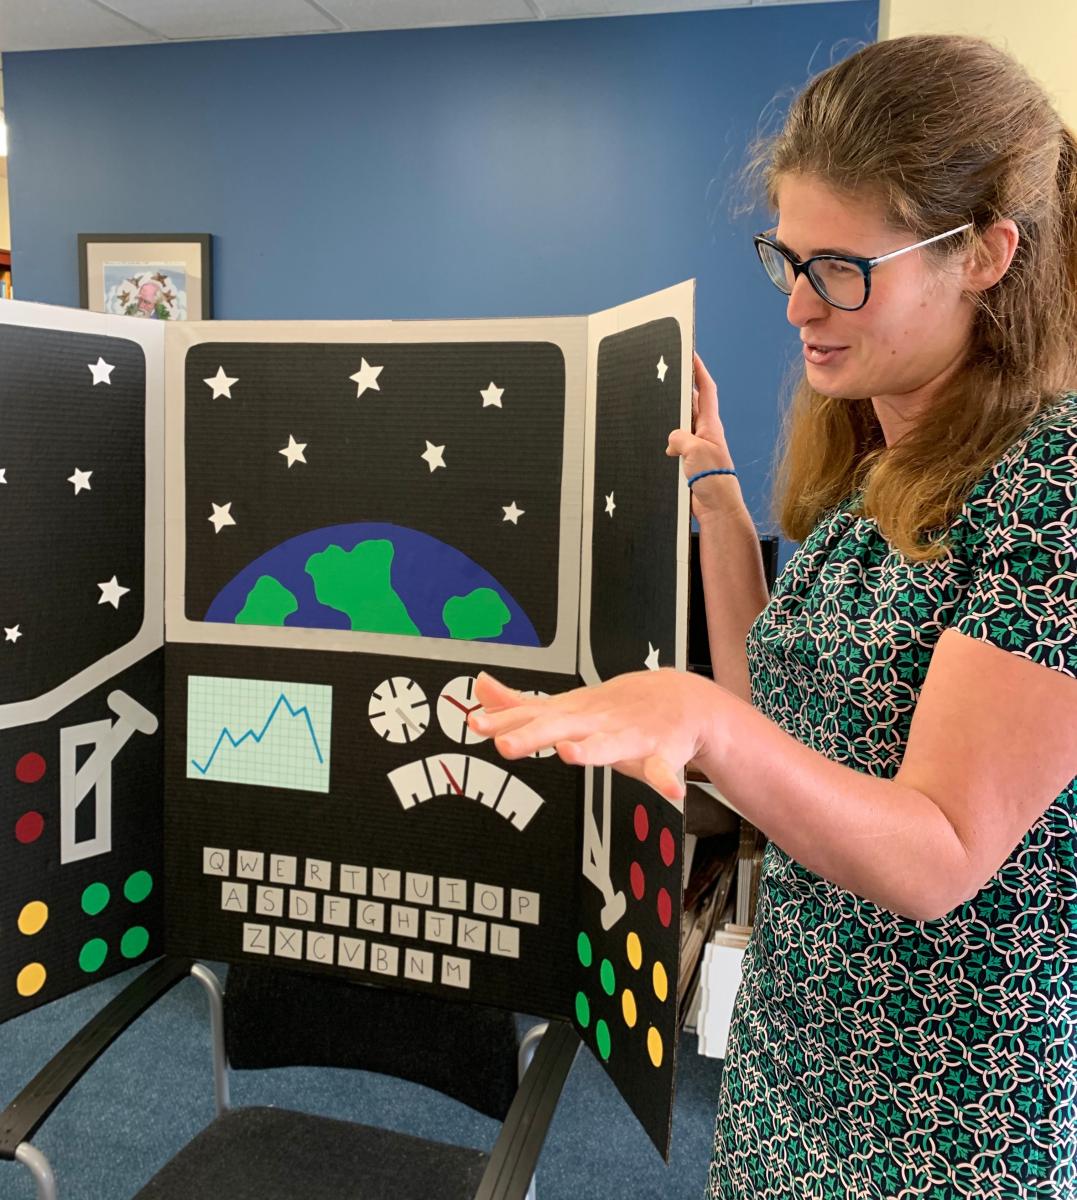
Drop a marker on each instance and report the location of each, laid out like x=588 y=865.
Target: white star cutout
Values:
x=434 y=455
x=3 y=474
x=101 y=371
x=293 y=452
x=663 y=367
x=222 y=516
x=111 y=592
x=81 y=480
x=492 y=395
x=366 y=377
x=13 y=634
x=221 y=384
x=610 y=506
x=512 y=513
x=651 y=662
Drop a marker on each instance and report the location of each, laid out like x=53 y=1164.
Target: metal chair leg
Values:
x=528 y=1044
x=38 y=1166
x=214 y=993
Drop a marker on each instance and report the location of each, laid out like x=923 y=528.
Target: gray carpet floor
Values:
x=153 y=1090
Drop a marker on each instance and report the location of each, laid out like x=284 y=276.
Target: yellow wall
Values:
x=1041 y=33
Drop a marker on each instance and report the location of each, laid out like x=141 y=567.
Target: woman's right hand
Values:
x=703 y=448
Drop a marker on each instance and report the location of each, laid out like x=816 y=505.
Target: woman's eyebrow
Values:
x=847 y=253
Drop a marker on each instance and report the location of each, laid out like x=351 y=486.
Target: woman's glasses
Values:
x=841 y=279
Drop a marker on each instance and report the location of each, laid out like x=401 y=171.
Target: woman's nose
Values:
x=805 y=303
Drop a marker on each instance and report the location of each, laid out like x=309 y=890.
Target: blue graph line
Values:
x=227 y=733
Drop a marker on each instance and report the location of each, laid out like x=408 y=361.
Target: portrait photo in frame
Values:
x=159 y=276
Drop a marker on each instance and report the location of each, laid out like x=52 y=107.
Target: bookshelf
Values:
x=5 y=275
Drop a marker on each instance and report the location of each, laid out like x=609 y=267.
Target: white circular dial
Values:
x=549 y=749
x=456 y=702
x=399 y=710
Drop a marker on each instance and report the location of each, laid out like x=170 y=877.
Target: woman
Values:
x=907 y=1021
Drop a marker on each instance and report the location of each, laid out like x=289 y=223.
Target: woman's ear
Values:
x=992 y=257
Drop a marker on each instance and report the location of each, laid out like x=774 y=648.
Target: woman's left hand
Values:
x=647 y=724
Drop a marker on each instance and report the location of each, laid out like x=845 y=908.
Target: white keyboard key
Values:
x=269 y=901
x=319 y=946
x=319 y=874
x=439 y=928
x=234 y=897
x=505 y=940
x=282 y=869
x=255 y=938
x=351 y=952
x=370 y=915
x=404 y=921
x=215 y=861
x=353 y=880
x=471 y=934
x=452 y=893
x=336 y=910
x=524 y=907
x=383 y=959
x=489 y=900
x=250 y=864
x=419 y=964
x=385 y=884
x=419 y=889
x=455 y=972
x=302 y=906
x=288 y=943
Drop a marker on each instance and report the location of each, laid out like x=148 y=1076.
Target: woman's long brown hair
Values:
x=939 y=130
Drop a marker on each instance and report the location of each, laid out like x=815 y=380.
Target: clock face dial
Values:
x=549 y=751
x=399 y=710
x=456 y=702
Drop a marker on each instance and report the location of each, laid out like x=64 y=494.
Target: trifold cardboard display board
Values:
x=251 y=570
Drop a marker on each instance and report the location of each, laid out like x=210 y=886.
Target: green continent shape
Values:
x=357 y=583
x=267 y=603
x=479 y=614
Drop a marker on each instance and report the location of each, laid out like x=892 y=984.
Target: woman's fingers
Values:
x=662 y=777
x=602 y=749
x=493 y=695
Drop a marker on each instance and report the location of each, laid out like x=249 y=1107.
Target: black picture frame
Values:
x=195 y=250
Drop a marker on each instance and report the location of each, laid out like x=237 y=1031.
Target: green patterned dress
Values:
x=871 y=1055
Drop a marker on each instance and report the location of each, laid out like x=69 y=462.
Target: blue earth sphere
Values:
x=372 y=573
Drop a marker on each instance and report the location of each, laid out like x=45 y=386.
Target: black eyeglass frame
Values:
x=865 y=265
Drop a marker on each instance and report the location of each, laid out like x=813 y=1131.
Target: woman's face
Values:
x=916 y=325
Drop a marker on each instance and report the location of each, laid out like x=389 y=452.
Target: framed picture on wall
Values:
x=159 y=276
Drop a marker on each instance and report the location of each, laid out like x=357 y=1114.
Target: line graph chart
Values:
x=262 y=732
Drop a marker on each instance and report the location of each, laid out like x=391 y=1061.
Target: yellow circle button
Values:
x=628 y=1007
x=31 y=980
x=661 y=983
x=33 y=917
x=635 y=951
x=654 y=1046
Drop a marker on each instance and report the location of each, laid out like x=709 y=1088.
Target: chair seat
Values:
x=275 y=1154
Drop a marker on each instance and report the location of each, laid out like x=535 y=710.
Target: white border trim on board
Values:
x=568 y=333
x=149 y=335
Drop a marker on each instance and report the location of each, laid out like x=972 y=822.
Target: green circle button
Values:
x=605 y=974
x=134 y=942
x=602 y=1037
x=95 y=899
x=583 y=1011
x=93 y=955
x=138 y=886
x=583 y=949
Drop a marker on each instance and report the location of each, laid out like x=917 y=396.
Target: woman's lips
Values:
x=821 y=356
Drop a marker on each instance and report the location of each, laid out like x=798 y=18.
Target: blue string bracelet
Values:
x=716 y=471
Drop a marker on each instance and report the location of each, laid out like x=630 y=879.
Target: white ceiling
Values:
x=67 y=24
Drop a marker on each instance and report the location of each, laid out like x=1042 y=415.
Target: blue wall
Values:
x=510 y=170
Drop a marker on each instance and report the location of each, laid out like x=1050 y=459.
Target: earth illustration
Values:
x=374 y=577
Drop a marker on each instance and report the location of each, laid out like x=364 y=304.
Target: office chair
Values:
x=270 y=1018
